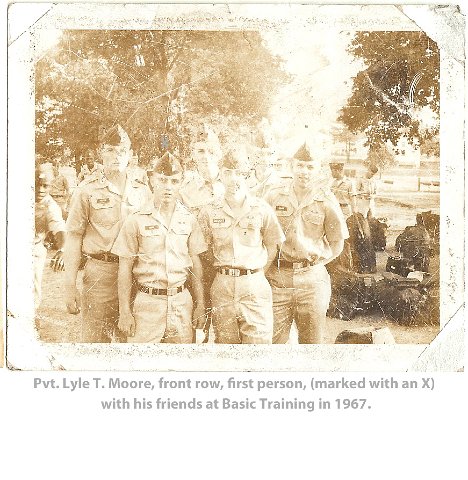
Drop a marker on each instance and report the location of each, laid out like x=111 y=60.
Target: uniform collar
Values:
x=249 y=202
x=316 y=193
x=131 y=181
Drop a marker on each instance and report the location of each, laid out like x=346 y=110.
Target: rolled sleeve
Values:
x=55 y=222
x=272 y=232
x=126 y=244
x=196 y=242
x=79 y=212
x=204 y=224
x=335 y=224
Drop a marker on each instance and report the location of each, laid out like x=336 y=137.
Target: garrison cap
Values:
x=336 y=164
x=113 y=135
x=167 y=165
x=303 y=154
x=236 y=160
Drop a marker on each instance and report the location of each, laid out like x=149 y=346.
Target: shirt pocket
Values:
x=152 y=239
x=104 y=210
x=250 y=231
x=313 y=223
x=180 y=237
x=284 y=213
x=221 y=230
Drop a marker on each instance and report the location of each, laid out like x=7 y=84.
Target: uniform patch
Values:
x=219 y=220
x=103 y=201
x=151 y=227
x=281 y=208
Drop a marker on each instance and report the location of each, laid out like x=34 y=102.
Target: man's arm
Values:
x=336 y=248
x=57 y=262
x=72 y=258
x=126 y=320
x=273 y=235
x=272 y=251
x=198 y=318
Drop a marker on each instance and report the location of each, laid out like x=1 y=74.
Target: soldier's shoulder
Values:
x=95 y=180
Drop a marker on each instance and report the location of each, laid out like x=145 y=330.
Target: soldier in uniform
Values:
x=343 y=188
x=366 y=190
x=60 y=191
x=244 y=235
x=90 y=167
x=98 y=207
x=345 y=192
x=315 y=231
x=203 y=187
x=159 y=246
x=48 y=218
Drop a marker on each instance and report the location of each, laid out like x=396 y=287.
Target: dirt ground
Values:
x=55 y=325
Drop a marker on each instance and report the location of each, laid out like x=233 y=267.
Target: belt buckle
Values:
x=172 y=291
x=234 y=272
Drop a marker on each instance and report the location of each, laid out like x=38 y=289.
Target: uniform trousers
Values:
x=303 y=296
x=100 y=303
x=242 y=309
x=163 y=319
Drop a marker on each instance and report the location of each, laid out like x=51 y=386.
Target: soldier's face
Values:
x=166 y=188
x=206 y=163
x=264 y=167
x=42 y=188
x=336 y=172
x=305 y=172
x=115 y=158
x=234 y=181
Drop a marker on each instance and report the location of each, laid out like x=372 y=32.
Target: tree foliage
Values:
x=160 y=85
x=400 y=80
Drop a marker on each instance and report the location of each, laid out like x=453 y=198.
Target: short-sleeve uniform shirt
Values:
x=48 y=218
x=238 y=240
x=308 y=225
x=344 y=191
x=98 y=209
x=162 y=252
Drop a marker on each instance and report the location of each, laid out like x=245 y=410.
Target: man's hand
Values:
x=127 y=324
x=57 y=264
x=72 y=299
x=198 y=316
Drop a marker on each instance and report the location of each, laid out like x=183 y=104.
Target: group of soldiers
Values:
x=181 y=251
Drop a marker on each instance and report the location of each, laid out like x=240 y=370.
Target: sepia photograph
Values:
x=208 y=178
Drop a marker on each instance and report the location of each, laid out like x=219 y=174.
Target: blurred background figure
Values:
x=136 y=171
x=60 y=190
x=203 y=186
x=366 y=190
x=89 y=166
x=345 y=193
